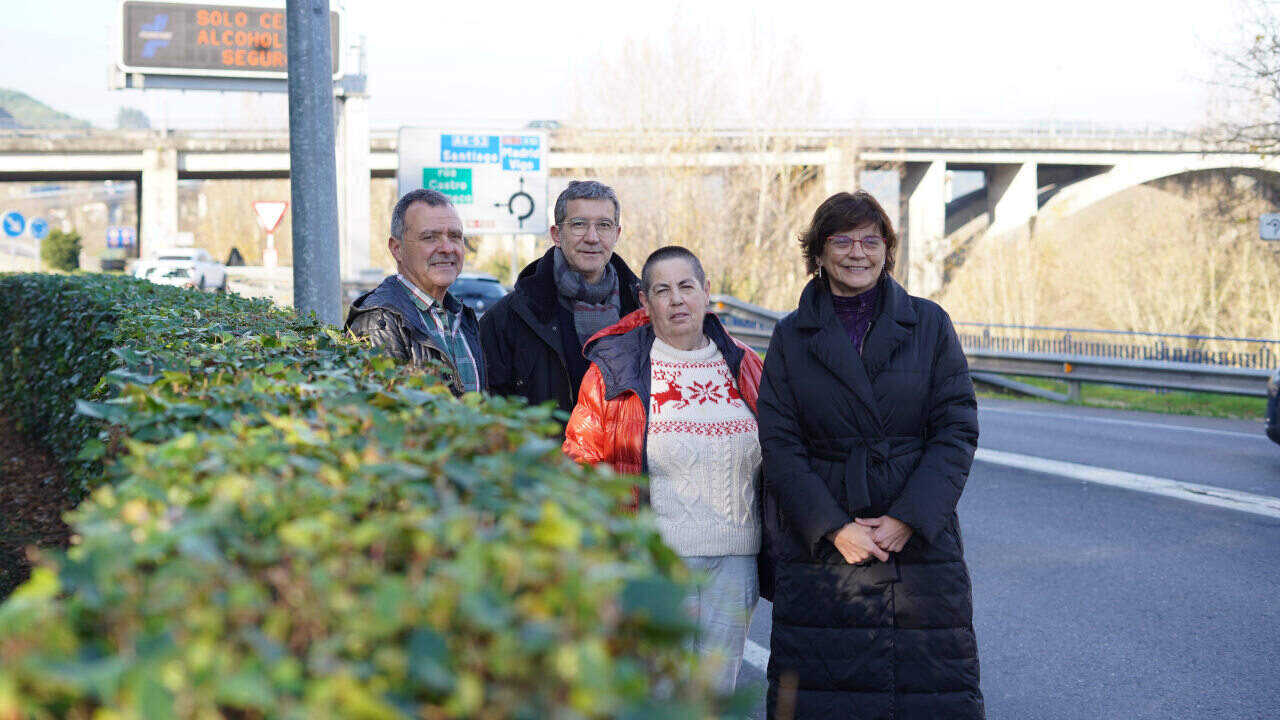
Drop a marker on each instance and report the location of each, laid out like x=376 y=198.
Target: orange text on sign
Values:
x=227 y=19
x=240 y=38
x=254 y=58
x=272 y=20
x=221 y=18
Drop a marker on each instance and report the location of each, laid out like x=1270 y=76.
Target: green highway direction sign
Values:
x=497 y=180
x=454 y=182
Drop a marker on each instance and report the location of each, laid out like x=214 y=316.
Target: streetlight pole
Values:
x=313 y=174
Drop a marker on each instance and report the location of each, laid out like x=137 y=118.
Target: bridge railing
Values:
x=1040 y=129
x=905 y=129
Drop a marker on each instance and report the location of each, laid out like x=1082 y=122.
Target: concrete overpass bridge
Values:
x=1041 y=172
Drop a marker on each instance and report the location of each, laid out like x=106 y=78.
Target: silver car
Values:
x=184 y=267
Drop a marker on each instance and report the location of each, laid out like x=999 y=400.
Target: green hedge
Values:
x=55 y=346
x=290 y=526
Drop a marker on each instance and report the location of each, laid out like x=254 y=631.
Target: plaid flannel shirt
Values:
x=446 y=329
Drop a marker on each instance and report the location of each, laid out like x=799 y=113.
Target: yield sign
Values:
x=270 y=214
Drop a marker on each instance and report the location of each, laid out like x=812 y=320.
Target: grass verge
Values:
x=1172 y=402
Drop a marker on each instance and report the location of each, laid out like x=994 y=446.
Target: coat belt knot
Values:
x=865 y=464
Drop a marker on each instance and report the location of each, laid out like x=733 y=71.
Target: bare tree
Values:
x=1179 y=256
x=698 y=132
x=1247 y=111
x=131 y=118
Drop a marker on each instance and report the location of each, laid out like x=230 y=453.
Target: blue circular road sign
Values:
x=39 y=228
x=13 y=223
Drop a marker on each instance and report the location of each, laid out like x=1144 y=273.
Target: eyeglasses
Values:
x=844 y=243
x=578 y=227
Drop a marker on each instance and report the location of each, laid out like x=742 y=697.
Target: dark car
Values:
x=112 y=259
x=478 y=290
x=1273 y=407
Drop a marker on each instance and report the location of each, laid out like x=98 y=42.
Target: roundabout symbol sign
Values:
x=521 y=200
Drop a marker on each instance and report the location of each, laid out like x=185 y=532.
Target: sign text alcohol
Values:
x=209 y=39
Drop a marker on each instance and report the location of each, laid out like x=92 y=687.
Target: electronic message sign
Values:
x=208 y=39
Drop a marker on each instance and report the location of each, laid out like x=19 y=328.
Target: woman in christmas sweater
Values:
x=670 y=393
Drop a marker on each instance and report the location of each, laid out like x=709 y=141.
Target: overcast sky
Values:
x=1113 y=62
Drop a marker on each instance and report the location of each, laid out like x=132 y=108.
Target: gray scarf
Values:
x=595 y=306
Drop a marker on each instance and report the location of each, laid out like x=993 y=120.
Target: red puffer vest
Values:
x=612 y=429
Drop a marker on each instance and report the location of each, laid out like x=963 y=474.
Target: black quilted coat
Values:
x=524 y=341
x=892 y=432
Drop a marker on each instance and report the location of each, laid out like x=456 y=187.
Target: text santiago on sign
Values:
x=514 y=152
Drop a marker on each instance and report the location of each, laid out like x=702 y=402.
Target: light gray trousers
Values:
x=722 y=601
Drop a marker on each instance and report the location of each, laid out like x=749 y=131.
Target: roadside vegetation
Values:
x=61 y=250
x=1181 y=256
x=276 y=521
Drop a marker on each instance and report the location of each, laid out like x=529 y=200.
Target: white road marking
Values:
x=755 y=655
x=1193 y=492
x=1110 y=421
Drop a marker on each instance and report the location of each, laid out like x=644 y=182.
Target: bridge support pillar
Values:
x=351 y=126
x=924 y=222
x=1012 y=196
x=840 y=171
x=158 y=207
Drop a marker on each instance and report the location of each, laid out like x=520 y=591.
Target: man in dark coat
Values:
x=854 y=443
x=411 y=314
x=533 y=336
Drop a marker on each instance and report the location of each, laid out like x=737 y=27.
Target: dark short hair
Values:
x=585 y=190
x=842 y=212
x=433 y=198
x=669 y=252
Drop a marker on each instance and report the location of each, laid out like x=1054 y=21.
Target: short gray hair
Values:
x=670 y=252
x=585 y=190
x=433 y=198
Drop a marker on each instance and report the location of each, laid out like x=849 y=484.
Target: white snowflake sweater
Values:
x=703 y=452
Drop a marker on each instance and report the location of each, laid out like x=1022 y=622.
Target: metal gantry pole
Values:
x=313 y=174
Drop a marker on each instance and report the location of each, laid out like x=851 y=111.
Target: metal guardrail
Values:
x=749 y=323
x=1222 y=351
x=1119 y=371
x=1073 y=360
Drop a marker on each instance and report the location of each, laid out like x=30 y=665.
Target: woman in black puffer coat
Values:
x=868 y=426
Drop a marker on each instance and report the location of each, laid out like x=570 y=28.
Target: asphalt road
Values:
x=1098 y=602
x=1234 y=454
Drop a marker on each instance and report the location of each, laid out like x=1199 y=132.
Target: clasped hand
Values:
x=867 y=537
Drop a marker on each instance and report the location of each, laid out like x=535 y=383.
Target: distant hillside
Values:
x=31 y=113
